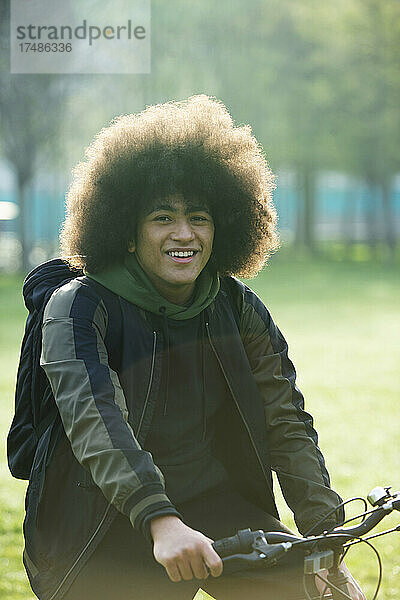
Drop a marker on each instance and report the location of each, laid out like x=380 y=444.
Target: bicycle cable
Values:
x=334 y=510
x=331 y=585
x=371 y=537
x=364 y=514
x=347 y=548
x=378 y=557
x=360 y=539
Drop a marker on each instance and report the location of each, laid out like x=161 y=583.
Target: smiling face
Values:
x=174 y=242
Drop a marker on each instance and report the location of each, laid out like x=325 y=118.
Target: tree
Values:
x=31 y=112
x=368 y=94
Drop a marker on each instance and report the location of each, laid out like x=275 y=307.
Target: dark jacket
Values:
x=103 y=361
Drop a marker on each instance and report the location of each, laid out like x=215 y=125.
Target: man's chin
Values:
x=183 y=279
x=182 y=283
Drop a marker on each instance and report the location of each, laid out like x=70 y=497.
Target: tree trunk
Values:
x=372 y=220
x=299 y=227
x=21 y=194
x=388 y=219
x=348 y=222
x=305 y=223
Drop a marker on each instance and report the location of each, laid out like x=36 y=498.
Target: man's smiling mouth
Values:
x=182 y=256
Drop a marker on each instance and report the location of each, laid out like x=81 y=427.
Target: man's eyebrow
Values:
x=157 y=207
x=197 y=208
x=170 y=207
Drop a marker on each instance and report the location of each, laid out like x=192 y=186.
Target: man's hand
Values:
x=354 y=589
x=184 y=552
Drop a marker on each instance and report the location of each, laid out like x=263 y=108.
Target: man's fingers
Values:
x=355 y=591
x=216 y=565
x=213 y=561
x=209 y=539
x=192 y=554
x=185 y=569
x=197 y=565
x=199 y=568
x=173 y=572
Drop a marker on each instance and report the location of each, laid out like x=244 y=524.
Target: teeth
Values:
x=182 y=254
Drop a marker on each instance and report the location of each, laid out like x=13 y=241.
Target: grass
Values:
x=13 y=583
x=343 y=327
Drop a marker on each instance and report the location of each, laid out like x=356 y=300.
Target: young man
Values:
x=173 y=385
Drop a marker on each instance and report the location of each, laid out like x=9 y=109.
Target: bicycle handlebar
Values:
x=244 y=540
x=257 y=549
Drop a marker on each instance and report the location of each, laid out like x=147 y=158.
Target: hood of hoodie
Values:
x=43 y=280
x=129 y=281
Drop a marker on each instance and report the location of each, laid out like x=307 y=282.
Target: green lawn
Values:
x=342 y=322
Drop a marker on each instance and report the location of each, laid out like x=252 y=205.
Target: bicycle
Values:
x=260 y=549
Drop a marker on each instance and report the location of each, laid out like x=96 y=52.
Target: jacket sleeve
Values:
x=92 y=406
x=293 y=441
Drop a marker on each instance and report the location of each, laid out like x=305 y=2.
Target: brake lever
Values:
x=269 y=554
x=238 y=562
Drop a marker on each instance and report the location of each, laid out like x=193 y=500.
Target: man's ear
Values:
x=131 y=246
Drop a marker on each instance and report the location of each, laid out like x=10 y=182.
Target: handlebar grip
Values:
x=227 y=546
x=236 y=544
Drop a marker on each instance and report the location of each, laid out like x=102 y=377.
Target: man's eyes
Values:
x=193 y=218
x=199 y=218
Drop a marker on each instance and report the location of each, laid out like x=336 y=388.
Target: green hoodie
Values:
x=130 y=281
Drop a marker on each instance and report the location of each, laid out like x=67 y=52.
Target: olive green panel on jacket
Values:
x=92 y=404
x=294 y=453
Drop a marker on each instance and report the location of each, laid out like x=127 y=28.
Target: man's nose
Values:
x=183 y=230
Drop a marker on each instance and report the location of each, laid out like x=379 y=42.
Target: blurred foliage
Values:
x=30 y=109
x=319 y=83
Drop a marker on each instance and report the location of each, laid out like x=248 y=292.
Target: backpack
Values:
x=35 y=408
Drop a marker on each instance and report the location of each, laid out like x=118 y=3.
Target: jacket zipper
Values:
x=82 y=552
x=153 y=360
x=238 y=407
